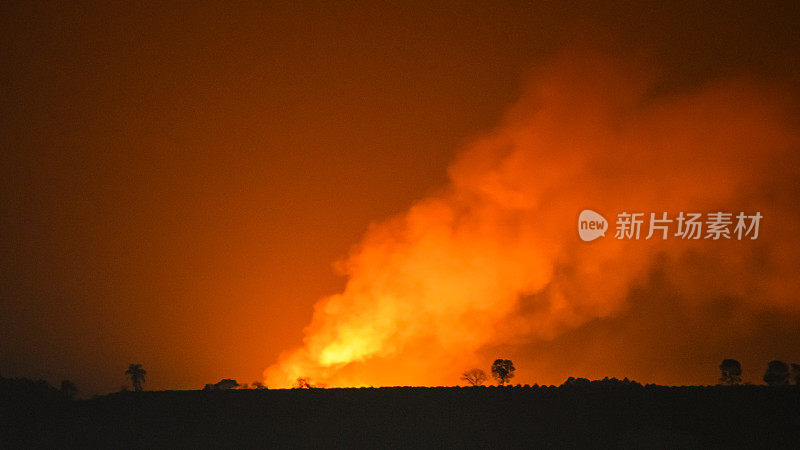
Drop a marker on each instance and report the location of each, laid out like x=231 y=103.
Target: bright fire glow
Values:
x=493 y=259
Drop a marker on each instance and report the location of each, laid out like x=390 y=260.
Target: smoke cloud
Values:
x=494 y=261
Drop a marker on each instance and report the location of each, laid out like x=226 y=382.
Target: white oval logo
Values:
x=591 y=225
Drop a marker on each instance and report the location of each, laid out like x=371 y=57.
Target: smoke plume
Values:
x=493 y=260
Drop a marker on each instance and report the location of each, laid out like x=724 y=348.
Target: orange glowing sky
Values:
x=178 y=180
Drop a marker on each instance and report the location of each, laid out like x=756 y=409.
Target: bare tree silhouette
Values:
x=731 y=372
x=137 y=375
x=503 y=370
x=474 y=377
x=303 y=383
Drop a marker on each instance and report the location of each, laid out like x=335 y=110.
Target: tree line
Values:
x=778 y=373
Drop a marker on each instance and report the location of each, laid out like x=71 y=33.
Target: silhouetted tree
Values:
x=777 y=374
x=223 y=385
x=68 y=389
x=503 y=370
x=731 y=372
x=475 y=377
x=574 y=382
x=258 y=385
x=303 y=383
x=137 y=375
x=794 y=375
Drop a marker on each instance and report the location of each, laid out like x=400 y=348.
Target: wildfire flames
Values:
x=494 y=259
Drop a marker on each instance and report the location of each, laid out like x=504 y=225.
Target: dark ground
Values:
x=597 y=415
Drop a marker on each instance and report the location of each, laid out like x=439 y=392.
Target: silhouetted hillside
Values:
x=580 y=413
x=28 y=409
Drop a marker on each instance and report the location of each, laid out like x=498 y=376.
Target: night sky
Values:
x=179 y=181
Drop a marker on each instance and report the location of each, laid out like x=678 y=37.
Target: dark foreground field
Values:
x=596 y=415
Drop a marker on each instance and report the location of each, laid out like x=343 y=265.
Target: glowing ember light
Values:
x=494 y=258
